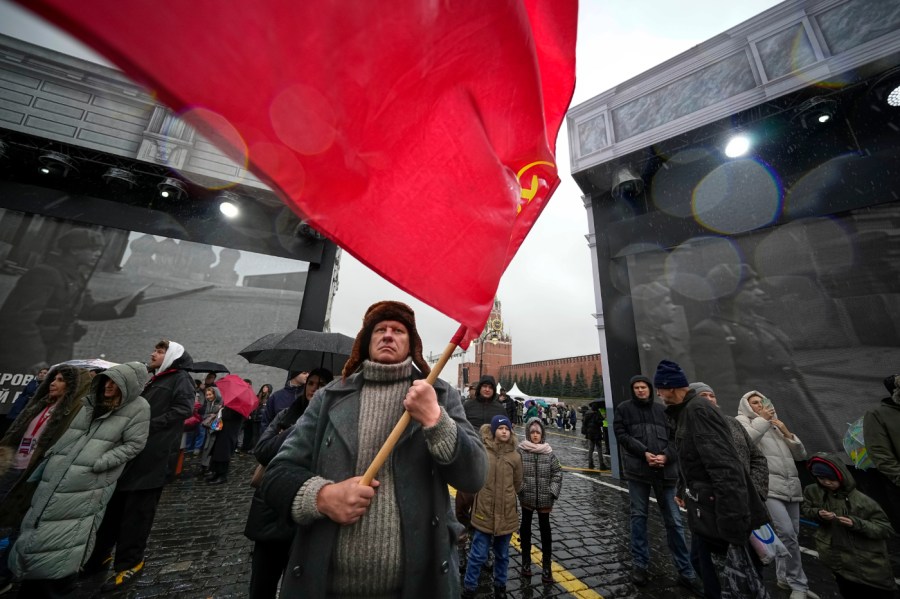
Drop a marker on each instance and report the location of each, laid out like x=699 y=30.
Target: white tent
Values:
x=517 y=393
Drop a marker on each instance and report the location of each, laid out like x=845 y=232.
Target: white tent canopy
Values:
x=517 y=393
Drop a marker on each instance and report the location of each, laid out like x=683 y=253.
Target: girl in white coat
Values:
x=782 y=448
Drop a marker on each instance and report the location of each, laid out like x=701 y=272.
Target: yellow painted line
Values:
x=577 y=469
x=561 y=576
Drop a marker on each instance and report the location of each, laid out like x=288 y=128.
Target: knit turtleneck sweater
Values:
x=368 y=555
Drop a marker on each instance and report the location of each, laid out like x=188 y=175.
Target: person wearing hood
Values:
x=78 y=480
x=881 y=430
x=782 y=449
x=292 y=392
x=40 y=424
x=494 y=513
x=479 y=411
x=853 y=530
x=129 y=516
x=642 y=430
x=542 y=475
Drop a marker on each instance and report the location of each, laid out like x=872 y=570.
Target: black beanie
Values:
x=822 y=470
x=669 y=375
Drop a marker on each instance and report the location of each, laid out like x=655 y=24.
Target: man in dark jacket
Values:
x=294 y=390
x=593 y=431
x=710 y=467
x=479 y=410
x=352 y=541
x=642 y=430
x=129 y=516
x=485 y=405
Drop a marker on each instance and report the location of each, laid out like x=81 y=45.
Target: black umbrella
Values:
x=300 y=350
x=207 y=367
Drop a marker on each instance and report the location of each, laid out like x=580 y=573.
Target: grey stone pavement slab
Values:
x=198 y=550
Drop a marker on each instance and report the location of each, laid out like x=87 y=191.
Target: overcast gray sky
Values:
x=547 y=292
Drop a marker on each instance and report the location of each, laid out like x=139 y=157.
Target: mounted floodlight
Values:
x=56 y=164
x=229 y=203
x=737 y=146
x=120 y=178
x=816 y=112
x=893 y=98
x=229 y=210
x=172 y=189
x=626 y=184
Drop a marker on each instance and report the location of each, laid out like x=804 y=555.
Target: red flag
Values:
x=419 y=136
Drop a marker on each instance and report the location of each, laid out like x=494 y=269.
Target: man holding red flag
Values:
x=395 y=538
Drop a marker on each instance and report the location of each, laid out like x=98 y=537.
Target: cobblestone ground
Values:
x=198 y=550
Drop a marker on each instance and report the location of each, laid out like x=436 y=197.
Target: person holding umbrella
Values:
x=238 y=401
x=400 y=540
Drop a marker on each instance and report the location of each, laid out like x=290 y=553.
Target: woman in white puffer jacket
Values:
x=782 y=449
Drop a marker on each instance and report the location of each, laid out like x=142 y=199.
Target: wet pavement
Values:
x=198 y=550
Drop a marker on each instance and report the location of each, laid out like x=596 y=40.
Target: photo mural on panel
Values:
x=70 y=291
x=804 y=313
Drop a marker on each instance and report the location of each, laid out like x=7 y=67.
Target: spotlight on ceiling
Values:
x=172 y=189
x=56 y=164
x=119 y=178
x=626 y=184
x=229 y=204
x=815 y=112
x=893 y=97
x=738 y=145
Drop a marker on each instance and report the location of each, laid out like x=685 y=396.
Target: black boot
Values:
x=499 y=592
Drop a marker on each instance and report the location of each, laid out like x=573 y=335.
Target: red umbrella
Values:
x=237 y=395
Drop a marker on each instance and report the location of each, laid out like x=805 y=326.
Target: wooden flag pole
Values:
x=401 y=425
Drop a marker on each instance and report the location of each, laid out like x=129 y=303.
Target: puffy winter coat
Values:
x=706 y=456
x=858 y=553
x=58 y=532
x=542 y=474
x=494 y=511
x=17 y=501
x=781 y=453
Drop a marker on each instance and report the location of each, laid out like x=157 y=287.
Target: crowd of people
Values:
x=84 y=463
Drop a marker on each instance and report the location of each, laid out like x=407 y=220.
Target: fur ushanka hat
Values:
x=379 y=312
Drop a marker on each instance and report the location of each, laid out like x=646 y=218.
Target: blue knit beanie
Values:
x=498 y=421
x=669 y=375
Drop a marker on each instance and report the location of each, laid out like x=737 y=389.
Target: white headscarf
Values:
x=175 y=351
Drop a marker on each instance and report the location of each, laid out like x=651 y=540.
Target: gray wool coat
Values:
x=324 y=443
x=59 y=530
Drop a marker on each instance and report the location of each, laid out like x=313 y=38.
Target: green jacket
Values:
x=858 y=553
x=59 y=530
x=494 y=510
x=881 y=430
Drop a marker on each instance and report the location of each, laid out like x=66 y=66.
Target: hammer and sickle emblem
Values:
x=528 y=193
